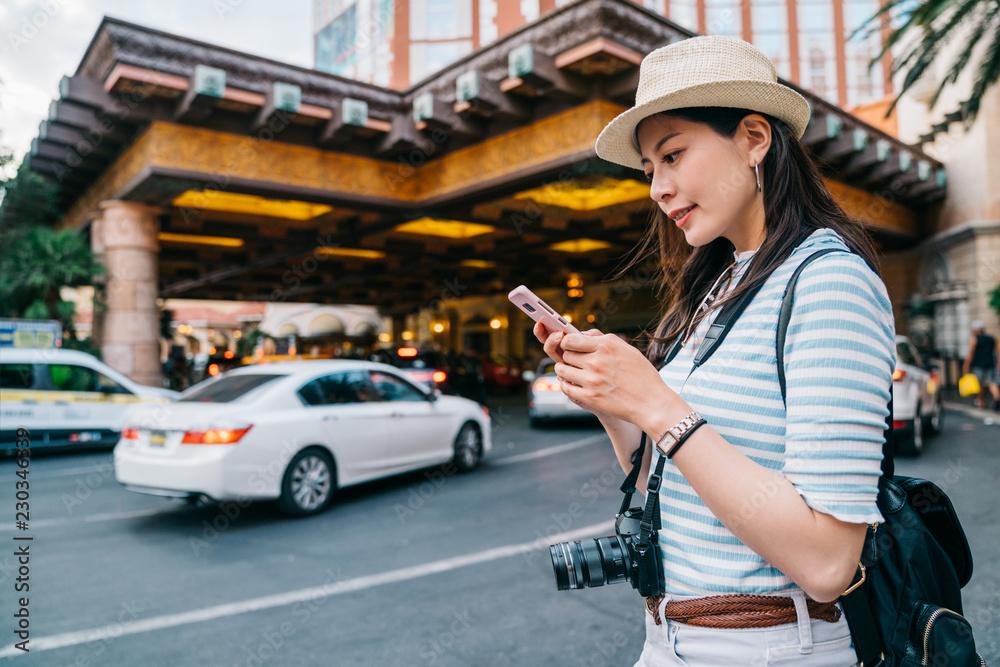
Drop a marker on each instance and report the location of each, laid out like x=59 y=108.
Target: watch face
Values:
x=668 y=441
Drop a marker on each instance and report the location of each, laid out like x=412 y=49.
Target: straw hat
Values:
x=707 y=71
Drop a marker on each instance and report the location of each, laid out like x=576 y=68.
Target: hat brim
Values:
x=614 y=144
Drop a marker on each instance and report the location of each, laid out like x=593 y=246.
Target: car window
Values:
x=226 y=389
x=392 y=388
x=16 y=376
x=906 y=354
x=338 y=388
x=70 y=377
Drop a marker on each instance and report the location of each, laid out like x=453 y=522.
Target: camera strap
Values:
x=651 y=514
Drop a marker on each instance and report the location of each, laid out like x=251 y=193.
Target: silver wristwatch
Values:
x=673 y=434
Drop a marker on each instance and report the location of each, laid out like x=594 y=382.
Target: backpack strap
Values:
x=861 y=623
x=889 y=441
x=867 y=644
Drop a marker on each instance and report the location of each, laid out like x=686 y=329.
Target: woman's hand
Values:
x=550 y=340
x=606 y=375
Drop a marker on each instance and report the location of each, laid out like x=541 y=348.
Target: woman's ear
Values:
x=755 y=131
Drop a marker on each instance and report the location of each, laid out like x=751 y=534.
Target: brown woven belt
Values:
x=739 y=611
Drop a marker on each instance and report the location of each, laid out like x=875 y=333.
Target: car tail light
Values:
x=898 y=375
x=541 y=384
x=898 y=424
x=213 y=369
x=130 y=433
x=407 y=352
x=215 y=436
x=439 y=376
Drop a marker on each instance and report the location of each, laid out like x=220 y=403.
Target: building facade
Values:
x=398 y=43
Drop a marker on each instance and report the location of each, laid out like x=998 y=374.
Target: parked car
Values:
x=67 y=399
x=916 y=399
x=296 y=432
x=546 y=401
x=450 y=373
x=502 y=373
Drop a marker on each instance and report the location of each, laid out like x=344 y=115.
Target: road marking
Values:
x=110 y=516
x=100 y=469
x=115 y=630
x=550 y=451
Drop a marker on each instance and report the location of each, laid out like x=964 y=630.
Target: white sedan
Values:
x=546 y=401
x=916 y=399
x=295 y=432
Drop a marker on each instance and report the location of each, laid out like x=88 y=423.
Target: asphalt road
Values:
x=422 y=569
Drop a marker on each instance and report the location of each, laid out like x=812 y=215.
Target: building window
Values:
x=723 y=17
x=816 y=48
x=430 y=57
x=336 y=44
x=440 y=19
x=864 y=85
x=770 y=34
x=488 y=30
x=684 y=13
x=657 y=6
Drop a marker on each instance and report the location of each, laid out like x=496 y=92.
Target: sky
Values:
x=42 y=40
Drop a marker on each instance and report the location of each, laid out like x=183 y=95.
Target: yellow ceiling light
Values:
x=200 y=240
x=588 y=193
x=478 y=263
x=580 y=245
x=335 y=251
x=233 y=202
x=452 y=229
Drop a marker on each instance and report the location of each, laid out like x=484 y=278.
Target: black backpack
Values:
x=905 y=604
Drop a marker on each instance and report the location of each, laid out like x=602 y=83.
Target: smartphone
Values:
x=539 y=311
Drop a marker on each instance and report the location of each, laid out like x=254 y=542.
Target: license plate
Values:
x=157 y=439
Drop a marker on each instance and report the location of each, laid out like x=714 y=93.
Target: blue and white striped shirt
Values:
x=840 y=353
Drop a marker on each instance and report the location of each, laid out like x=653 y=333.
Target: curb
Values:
x=977 y=413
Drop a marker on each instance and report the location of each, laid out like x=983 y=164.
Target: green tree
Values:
x=923 y=27
x=38 y=262
x=995 y=300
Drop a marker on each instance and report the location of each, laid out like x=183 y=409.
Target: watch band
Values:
x=673 y=437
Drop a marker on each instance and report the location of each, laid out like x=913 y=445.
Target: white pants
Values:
x=810 y=642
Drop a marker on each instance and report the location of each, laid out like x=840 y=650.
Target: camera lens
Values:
x=589 y=563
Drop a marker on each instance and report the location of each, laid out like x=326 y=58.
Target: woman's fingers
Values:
x=550 y=341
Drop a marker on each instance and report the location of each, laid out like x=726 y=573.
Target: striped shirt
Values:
x=839 y=357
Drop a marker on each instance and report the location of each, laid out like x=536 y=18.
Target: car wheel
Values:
x=468 y=448
x=933 y=424
x=911 y=442
x=308 y=484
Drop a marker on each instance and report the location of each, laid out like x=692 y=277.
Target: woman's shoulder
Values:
x=841 y=276
x=845 y=262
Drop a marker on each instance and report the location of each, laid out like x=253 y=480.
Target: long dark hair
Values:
x=796 y=203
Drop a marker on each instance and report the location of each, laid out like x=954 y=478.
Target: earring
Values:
x=756 y=172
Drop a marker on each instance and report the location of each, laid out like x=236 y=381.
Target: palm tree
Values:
x=931 y=24
x=37 y=262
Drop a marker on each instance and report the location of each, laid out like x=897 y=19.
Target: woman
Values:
x=761 y=499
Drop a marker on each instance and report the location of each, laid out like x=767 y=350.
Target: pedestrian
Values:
x=982 y=361
x=764 y=508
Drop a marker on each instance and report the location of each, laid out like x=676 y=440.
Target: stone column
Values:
x=125 y=234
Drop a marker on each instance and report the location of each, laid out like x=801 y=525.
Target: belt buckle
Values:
x=652 y=606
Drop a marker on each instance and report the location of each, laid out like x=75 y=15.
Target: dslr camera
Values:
x=611 y=560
